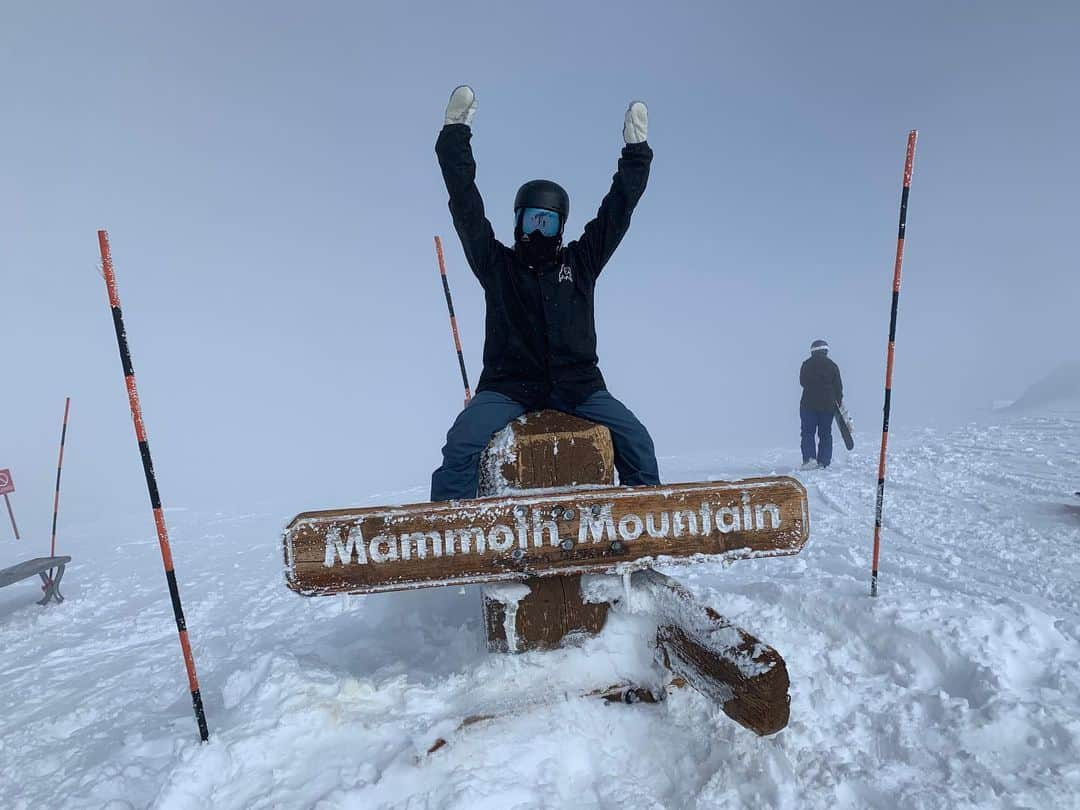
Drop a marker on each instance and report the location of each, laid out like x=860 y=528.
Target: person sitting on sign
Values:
x=540 y=334
x=823 y=393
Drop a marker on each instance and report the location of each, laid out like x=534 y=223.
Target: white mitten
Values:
x=636 y=126
x=461 y=107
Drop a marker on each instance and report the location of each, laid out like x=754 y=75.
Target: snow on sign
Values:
x=7 y=485
x=542 y=534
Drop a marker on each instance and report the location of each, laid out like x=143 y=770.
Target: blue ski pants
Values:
x=820 y=422
x=489 y=412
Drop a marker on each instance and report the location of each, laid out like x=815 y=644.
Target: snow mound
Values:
x=1060 y=387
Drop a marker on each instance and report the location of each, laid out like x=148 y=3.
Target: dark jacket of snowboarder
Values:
x=821 y=383
x=540 y=334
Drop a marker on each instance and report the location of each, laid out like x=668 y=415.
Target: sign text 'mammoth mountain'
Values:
x=540 y=533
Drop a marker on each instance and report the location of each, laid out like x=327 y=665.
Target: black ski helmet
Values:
x=544 y=194
x=819 y=346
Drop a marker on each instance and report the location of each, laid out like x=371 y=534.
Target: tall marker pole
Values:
x=59 y=467
x=909 y=166
x=453 y=319
x=151 y=481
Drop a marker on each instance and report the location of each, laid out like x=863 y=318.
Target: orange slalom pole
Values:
x=453 y=319
x=151 y=483
x=909 y=166
x=59 y=467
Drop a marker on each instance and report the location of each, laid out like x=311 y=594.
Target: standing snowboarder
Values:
x=540 y=334
x=823 y=392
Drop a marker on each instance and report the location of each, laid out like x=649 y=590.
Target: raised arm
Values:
x=459 y=173
x=603 y=233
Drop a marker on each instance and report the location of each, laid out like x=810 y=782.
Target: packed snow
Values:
x=959 y=686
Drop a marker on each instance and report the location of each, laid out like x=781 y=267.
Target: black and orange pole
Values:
x=56 y=497
x=59 y=467
x=453 y=319
x=909 y=166
x=151 y=481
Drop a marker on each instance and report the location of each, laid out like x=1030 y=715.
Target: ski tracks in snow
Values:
x=957 y=687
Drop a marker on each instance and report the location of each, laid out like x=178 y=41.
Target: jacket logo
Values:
x=565 y=274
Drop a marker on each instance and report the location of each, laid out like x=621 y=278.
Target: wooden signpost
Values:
x=552 y=514
x=538 y=534
x=541 y=451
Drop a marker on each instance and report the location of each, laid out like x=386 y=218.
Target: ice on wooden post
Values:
x=509 y=596
x=545 y=449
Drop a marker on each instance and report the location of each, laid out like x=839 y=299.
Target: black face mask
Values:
x=536 y=250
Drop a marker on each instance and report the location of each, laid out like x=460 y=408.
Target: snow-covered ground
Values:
x=958 y=687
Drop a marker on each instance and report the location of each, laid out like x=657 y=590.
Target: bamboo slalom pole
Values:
x=56 y=497
x=151 y=483
x=909 y=166
x=453 y=319
x=59 y=467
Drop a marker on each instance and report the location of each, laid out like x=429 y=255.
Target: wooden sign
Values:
x=747 y=678
x=542 y=534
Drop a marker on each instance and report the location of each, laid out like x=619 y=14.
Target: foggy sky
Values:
x=269 y=183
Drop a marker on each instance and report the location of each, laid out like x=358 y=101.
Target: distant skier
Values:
x=540 y=335
x=823 y=391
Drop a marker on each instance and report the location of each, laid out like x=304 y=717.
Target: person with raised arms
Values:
x=540 y=331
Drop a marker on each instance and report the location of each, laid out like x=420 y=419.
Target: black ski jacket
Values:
x=822 y=387
x=540 y=335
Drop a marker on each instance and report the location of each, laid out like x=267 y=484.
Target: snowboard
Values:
x=846 y=426
x=542 y=533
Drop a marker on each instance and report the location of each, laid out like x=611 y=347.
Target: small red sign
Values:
x=6 y=484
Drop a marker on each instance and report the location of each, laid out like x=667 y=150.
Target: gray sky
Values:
x=268 y=179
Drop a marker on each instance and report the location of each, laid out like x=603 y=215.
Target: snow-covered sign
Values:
x=6 y=483
x=542 y=534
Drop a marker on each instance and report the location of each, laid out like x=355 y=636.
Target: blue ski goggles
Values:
x=539 y=219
